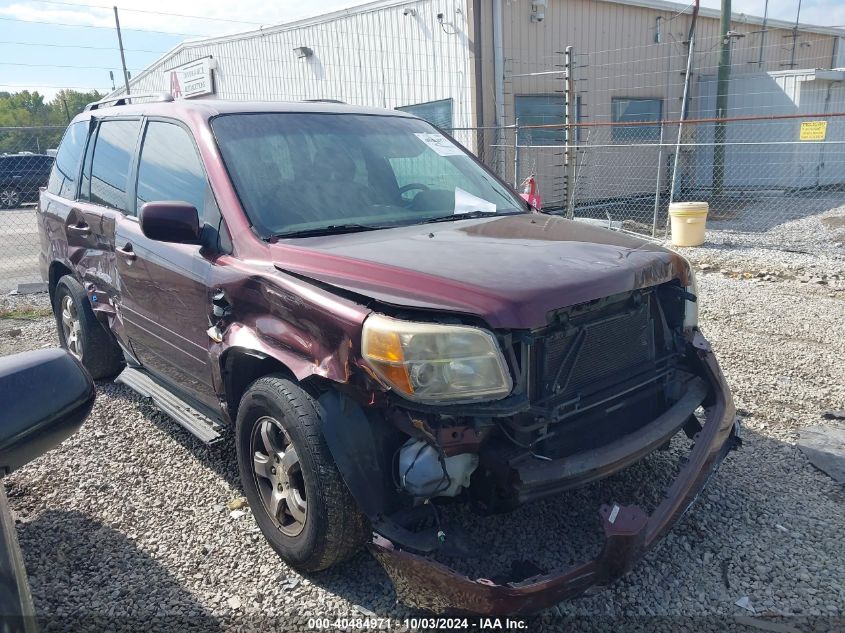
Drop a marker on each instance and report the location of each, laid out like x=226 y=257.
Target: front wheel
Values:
x=298 y=497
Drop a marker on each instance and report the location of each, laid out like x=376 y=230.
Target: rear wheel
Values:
x=81 y=334
x=298 y=497
x=10 y=198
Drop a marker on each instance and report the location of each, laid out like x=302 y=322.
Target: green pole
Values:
x=722 y=87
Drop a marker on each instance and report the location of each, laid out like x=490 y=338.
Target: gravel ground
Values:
x=128 y=520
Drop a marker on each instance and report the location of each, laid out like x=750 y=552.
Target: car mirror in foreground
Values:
x=46 y=396
x=170 y=221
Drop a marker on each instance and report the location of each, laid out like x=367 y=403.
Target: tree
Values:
x=31 y=125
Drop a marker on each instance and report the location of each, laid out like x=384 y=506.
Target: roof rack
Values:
x=324 y=101
x=157 y=97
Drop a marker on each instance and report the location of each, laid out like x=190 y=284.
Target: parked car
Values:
x=21 y=175
x=47 y=394
x=384 y=322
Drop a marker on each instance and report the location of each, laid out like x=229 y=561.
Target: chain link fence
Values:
x=26 y=158
x=617 y=135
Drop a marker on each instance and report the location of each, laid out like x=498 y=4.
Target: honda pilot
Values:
x=386 y=325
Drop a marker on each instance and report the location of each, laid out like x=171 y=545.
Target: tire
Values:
x=10 y=198
x=316 y=522
x=84 y=336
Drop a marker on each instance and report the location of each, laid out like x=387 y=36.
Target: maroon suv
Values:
x=386 y=325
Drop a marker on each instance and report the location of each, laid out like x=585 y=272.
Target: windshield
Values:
x=307 y=173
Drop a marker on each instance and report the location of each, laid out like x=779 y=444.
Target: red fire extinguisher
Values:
x=530 y=192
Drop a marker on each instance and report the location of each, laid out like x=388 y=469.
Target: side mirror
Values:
x=170 y=221
x=47 y=394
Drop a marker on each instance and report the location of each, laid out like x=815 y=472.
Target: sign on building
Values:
x=813 y=130
x=193 y=79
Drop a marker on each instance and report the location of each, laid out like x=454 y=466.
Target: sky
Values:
x=47 y=46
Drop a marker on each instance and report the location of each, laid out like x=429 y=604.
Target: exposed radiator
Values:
x=574 y=360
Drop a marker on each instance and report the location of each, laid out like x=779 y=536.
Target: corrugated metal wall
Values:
x=374 y=56
x=786 y=162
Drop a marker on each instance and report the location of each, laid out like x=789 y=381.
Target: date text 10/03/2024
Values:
x=418 y=624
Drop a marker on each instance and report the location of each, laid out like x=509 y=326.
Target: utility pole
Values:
x=122 y=56
x=795 y=36
x=763 y=34
x=722 y=89
x=684 y=105
x=67 y=113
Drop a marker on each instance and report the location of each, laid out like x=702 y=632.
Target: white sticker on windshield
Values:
x=439 y=144
x=465 y=202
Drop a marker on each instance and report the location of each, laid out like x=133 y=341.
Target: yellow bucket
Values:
x=688 y=220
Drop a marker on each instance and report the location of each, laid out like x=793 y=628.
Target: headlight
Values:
x=691 y=307
x=430 y=362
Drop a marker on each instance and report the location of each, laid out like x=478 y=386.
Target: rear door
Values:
x=103 y=198
x=164 y=298
x=56 y=202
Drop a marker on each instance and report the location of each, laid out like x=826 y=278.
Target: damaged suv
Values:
x=386 y=324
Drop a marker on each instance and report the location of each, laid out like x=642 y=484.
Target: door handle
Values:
x=80 y=229
x=127 y=253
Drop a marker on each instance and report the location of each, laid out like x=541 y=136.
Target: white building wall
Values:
x=374 y=55
x=770 y=154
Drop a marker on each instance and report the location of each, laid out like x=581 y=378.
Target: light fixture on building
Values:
x=303 y=52
x=409 y=11
x=538 y=10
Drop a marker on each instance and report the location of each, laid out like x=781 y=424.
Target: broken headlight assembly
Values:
x=435 y=363
x=691 y=307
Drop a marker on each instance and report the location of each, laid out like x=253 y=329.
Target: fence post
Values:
x=516 y=153
x=569 y=152
x=657 y=183
x=681 y=118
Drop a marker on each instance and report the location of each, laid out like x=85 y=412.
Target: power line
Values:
x=64 y=66
x=96 y=48
x=92 y=26
x=122 y=10
x=88 y=88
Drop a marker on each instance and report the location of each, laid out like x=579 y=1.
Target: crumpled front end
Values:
x=629 y=530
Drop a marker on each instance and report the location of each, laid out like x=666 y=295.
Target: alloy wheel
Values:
x=71 y=326
x=278 y=475
x=9 y=198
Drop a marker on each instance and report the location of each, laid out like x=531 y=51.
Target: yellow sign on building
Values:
x=813 y=130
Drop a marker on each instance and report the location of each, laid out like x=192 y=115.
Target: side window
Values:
x=545 y=110
x=635 y=110
x=169 y=168
x=66 y=166
x=110 y=165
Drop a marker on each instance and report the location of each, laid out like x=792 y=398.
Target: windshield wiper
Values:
x=331 y=229
x=462 y=216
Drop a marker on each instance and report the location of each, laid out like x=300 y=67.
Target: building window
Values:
x=639 y=110
x=438 y=113
x=544 y=110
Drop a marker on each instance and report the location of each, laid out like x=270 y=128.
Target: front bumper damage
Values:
x=629 y=531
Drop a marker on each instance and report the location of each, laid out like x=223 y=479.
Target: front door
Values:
x=164 y=298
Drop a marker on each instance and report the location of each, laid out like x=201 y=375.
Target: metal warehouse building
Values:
x=480 y=63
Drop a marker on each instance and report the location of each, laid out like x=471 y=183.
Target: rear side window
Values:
x=66 y=167
x=170 y=168
x=110 y=165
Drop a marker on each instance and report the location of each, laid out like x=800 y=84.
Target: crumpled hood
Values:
x=511 y=271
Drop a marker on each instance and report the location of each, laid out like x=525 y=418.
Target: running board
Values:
x=199 y=425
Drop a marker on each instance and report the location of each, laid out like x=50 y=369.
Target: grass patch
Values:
x=27 y=312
